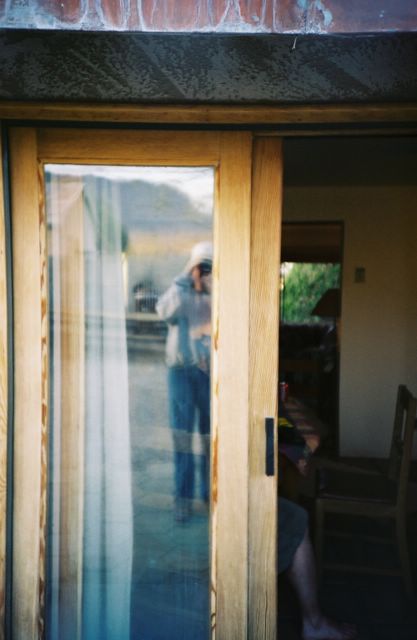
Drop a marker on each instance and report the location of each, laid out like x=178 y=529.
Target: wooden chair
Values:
x=375 y=495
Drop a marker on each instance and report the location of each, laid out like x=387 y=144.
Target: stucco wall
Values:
x=379 y=316
x=206 y=68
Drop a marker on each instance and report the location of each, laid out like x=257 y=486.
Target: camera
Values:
x=204 y=268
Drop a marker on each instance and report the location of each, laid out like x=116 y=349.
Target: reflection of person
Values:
x=186 y=307
x=295 y=556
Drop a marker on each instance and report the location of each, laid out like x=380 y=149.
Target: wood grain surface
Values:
x=263 y=383
x=335 y=114
x=231 y=345
x=30 y=387
x=3 y=406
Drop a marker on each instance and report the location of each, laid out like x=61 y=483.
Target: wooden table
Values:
x=294 y=456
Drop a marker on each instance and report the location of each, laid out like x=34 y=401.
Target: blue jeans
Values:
x=189 y=393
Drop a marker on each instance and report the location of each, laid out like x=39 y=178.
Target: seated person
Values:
x=295 y=556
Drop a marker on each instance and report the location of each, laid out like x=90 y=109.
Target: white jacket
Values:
x=188 y=314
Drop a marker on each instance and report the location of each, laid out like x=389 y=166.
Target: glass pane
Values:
x=130 y=259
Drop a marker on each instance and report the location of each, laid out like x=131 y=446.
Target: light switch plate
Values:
x=359 y=274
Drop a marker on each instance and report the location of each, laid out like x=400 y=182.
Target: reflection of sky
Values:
x=196 y=182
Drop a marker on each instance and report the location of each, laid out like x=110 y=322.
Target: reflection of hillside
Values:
x=151 y=208
x=164 y=243
x=158 y=257
x=163 y=224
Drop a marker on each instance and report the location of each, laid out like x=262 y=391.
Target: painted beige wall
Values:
x=379 y=317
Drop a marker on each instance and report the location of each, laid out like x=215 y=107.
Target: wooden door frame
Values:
x=4 y=393
x=243 y=393
x=287 y=121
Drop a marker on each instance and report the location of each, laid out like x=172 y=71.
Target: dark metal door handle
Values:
x=270 y=448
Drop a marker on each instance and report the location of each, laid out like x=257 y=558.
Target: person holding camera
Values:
x=186 y=307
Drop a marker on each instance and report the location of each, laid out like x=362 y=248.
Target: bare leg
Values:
x=302 y=575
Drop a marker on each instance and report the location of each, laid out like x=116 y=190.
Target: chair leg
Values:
x=318 y=537
x=401 y=531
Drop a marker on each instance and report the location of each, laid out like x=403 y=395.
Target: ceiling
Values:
x=350 y=161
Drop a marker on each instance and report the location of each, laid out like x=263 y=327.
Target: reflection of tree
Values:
x=304 y=285
x=164 y=223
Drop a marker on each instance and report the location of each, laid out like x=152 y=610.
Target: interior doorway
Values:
x=310 y=315
x=369 y=185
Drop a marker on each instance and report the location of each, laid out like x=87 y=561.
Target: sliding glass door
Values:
x=145 y=283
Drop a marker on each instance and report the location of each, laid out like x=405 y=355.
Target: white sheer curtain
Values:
x=106 y=540
x=108 y=537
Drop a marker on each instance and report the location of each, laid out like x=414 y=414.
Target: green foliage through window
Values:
x=302 y=285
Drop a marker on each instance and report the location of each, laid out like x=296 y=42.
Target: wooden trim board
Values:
x=3 y=406
x=30 y=387
x=263 y=382
x=230 y=383
x=394 y=113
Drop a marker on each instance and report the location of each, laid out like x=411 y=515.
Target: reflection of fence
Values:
x=145 y=323
x=144 y=319
x=111 y=326
x=145 y=298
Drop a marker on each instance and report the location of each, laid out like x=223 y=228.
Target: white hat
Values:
x=201 y=252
